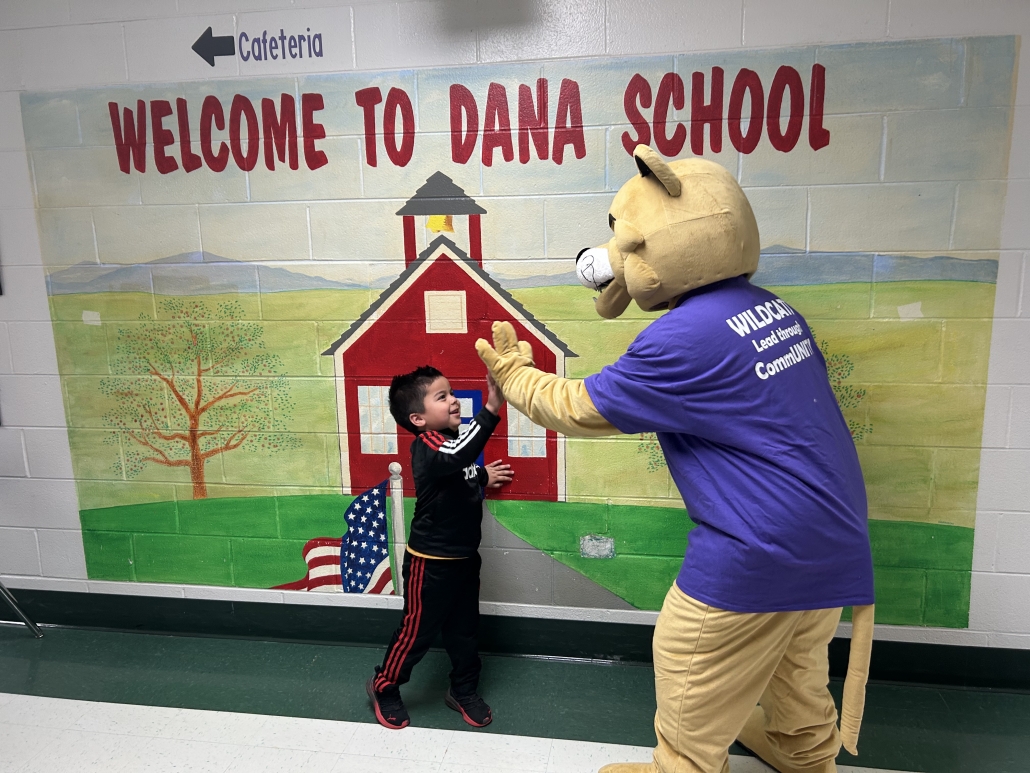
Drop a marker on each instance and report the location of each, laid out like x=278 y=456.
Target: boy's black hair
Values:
x=408 y=395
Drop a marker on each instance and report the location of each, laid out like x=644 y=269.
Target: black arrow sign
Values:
x=208 y=46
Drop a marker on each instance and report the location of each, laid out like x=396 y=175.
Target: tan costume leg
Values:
x=794 y=727
x=713 y=666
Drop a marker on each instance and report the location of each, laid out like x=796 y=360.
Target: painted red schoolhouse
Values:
x=432 y=314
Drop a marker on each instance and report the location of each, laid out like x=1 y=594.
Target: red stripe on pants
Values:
x=393 y=664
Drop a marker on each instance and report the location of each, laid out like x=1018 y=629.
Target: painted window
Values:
x=378 y=429
x=445 y=311
x=524 y=437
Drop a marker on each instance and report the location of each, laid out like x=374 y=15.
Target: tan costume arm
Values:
x=560 y=404
x=853 y=703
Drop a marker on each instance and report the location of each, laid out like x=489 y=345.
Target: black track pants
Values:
x=439 y=596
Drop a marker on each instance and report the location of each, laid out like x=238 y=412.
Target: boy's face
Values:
x=441 y=409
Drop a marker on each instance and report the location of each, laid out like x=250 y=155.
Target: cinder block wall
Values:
x=885 y=168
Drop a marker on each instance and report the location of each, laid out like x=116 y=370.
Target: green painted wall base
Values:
x=981 y=667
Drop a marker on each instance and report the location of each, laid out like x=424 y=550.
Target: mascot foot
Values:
x=629 y=767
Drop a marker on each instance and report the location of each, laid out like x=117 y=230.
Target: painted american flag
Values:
x=365 y=553
x=358 y=562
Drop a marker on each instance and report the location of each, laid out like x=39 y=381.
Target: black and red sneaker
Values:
x=388 y=706
x=472 y=708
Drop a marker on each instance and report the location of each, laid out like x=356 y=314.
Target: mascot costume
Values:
x=733 y=384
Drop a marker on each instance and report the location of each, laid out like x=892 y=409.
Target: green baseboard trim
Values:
x=901 y=662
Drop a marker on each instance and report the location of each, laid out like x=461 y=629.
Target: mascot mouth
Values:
x=594 y=269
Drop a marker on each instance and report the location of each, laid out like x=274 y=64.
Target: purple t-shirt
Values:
x=735 y=387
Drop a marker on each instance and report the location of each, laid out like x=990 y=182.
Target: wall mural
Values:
x=236 y=268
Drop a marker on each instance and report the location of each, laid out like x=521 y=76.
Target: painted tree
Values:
x=193 y=385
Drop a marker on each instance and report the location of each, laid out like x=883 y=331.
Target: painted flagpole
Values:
x=397 y=533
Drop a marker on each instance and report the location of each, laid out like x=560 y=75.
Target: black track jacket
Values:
x=449 y=489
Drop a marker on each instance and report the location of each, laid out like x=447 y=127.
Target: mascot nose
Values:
x=593 y=269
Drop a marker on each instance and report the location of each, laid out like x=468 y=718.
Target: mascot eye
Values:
x=611 y=221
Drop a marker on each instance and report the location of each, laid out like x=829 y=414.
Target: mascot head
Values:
x=678 y=226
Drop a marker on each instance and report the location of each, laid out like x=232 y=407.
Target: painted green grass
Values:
x=922 y=570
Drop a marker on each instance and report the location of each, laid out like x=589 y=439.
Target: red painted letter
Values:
x=367 y=100
x=497 y=125
x=568 y=125
x=242 y=108
x=638 y=89
x=163 y=138
x=785 y=78
x=701 y=113
x=670 y=89
x=309 y=105
x=280 y=130
x=464 y=124
x=746 y=80
x=211 y=111
x=818 y=136
x=190 y=160
x=397 y=99
x=533 y=121
x=131 y=141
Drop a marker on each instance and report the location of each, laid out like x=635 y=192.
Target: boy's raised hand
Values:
x=499 y=474
x=494 y=395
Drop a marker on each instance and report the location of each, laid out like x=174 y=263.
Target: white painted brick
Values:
x=19 y=553
x=675 y=26
x=562 y=29
x=136 y=589
x=61 y=553
x=42 y=504
x=1015 y=228
x=12 y=453
x=15 y=14
x=32 y=348
x=11 y=135
x=161 y=50
x=574 y=222
x=1009 y=641
x=10 y=61
x=996 y=417
x=394 y=35
x=120 y=10
x=80 y=55
x=1004 y=483
x=24 y=295
x=6 y=366
x=19 y=238
x=16 y=192
x=194 y=7
x=333 y=24
x=1009 y=282
x=31 y=401
x=1000 y=603
x=233 y=594
x=45 y=583
x=1010 y=340
x=985 y=541
x=1023 y=283
x=48 y=453
x=940 y=18
x=790 y=22
x=1013 y=552
x=1019 y=418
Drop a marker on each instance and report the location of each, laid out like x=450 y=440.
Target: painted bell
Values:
x=438 y=223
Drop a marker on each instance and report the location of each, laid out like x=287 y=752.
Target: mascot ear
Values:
x=649 y=162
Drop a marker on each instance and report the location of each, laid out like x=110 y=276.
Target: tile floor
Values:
x=55 y=735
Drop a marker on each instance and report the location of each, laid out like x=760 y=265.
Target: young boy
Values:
x=441 y=565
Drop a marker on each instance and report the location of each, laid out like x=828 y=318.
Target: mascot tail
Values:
x=858 y=672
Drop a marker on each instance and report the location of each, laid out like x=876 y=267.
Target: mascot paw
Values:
x=508 y=353
x=629 y=767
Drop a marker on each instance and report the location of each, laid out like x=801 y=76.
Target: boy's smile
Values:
x=441 y=409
